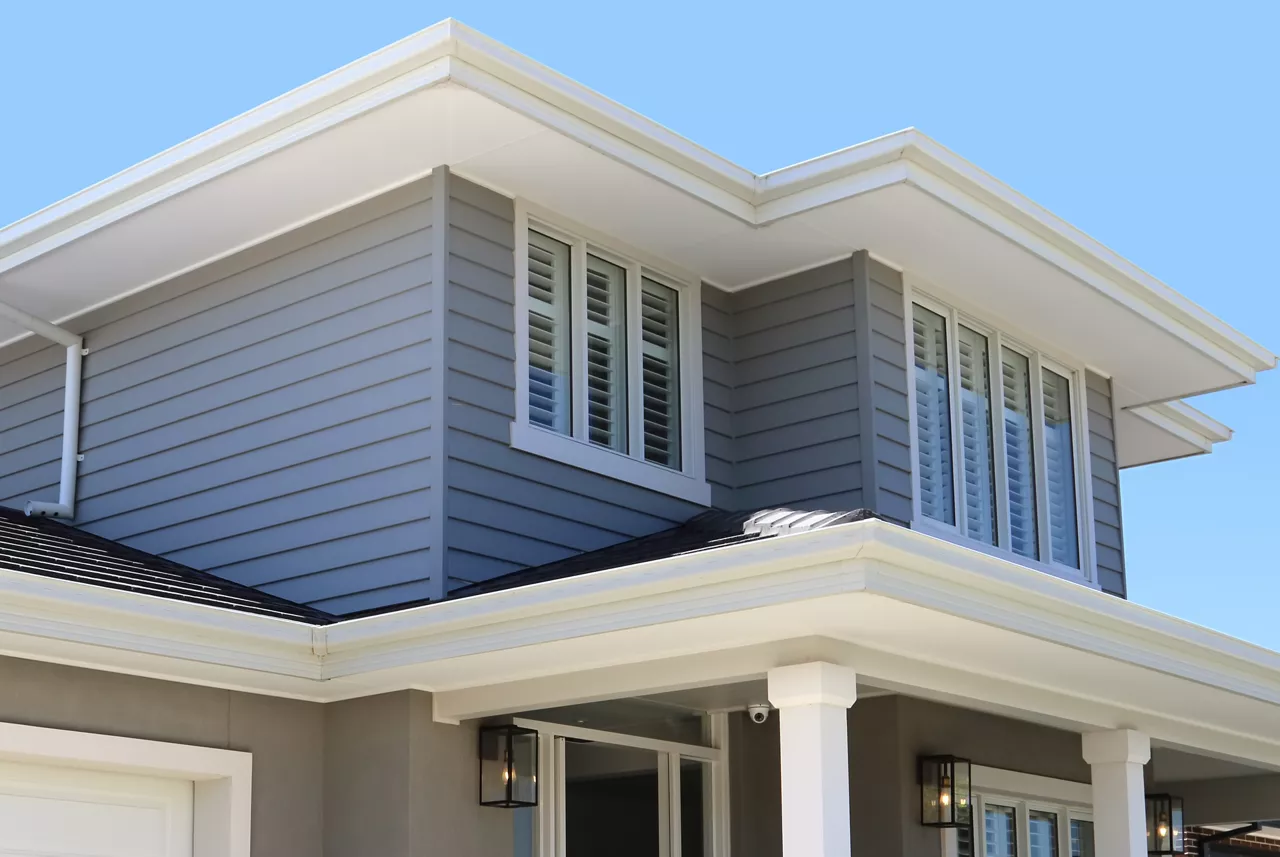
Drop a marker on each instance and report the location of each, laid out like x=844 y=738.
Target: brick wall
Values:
x=1248 y=844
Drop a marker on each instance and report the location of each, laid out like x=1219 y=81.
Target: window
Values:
x=616 y=793
x=606 y=354
x=997 y=439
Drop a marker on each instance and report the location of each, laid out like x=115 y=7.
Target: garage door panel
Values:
x=48 y=811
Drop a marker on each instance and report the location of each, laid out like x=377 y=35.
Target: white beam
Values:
x=1119 y=798
x=813 y=701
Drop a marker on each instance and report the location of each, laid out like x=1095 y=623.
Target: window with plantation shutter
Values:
x=606 y=354
x=549 y=331
x=660 y=373
x=604 y=362
x=1060 y=470
x=1015 y=374
x=996 y=440
x=933 y=415
x=976 y=447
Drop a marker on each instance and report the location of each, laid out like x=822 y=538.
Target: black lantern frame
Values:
x=946 y=791
x=1166 y=835
x=508 y=766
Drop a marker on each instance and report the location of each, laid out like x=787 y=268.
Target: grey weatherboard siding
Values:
x=507 y=509
x=264 y=418
x=1107 y=526
x=316 y=417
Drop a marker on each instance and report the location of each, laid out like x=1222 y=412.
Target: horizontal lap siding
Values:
x=507 y=509
x=795 y=394
x=719 y=381
x=265 y=418
x=1107 y=525
x=882 y=352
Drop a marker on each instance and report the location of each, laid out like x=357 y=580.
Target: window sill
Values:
x=951 y=534
x=606 y=462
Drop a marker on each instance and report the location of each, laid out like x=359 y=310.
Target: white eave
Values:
x=911 y=612
x=448 y=95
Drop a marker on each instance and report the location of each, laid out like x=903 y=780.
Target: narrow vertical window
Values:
x=1000 y=829
x=660 y=370
x=1060 y=470
x=1042 y=833
x=549 y=348
x=1015 y=372
x=606 y=354
x=1081 y=838
x=977 y=448
x=933 y=415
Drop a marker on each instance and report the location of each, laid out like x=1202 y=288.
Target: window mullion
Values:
x=578 y=352
x=1037 y=446
x=1022 y=829
x=1084 y=490
x=957 y=424
x=635 y=379
x=996 y=368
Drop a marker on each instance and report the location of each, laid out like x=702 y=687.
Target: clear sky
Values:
x=1150 y=125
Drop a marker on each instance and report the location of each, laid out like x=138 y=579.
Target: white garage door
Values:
x=67 y=812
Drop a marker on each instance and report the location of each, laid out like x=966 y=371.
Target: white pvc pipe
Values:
x=66 y=505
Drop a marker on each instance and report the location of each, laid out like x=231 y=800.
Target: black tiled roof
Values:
x=50 y=548
x=706 y=531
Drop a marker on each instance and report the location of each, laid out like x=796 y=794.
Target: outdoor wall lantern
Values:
x=1164 y=825
x=508 y=766
x=945 y=797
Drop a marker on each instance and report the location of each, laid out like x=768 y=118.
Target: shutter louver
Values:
x=1059 y=465
x=549 y=348
x=933 y=415
x=977 y=448
x=660 y=373
x=606 y=354
x=1015 y=372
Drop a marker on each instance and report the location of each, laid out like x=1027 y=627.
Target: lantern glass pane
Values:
x=493 y=771
x=1175 y=814
x=930 y=793
x=524 y=768
x=962 y=800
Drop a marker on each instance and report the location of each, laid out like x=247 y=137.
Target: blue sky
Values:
x=1151 y=126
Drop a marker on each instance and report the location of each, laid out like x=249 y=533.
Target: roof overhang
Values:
x=451 y=96
x=910 y=612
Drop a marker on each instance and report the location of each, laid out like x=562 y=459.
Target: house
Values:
x=443 y=433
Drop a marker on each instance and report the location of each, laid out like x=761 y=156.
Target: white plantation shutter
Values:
x=660 y=373
x=1015 y=372
x=606 y=354
x=549 y=344
x=1060 y=470
x=976 y=446
x=933 y=415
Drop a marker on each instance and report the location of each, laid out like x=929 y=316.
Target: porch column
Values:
x=1119 y=795
x=813 y=701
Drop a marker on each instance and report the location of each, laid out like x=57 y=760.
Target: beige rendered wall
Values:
x=372 y=777
x=886 y=736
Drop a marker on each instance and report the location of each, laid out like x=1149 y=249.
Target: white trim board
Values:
x=223 y=778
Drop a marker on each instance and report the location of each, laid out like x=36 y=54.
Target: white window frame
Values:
x=549 y=823
x=1024 y=793
x=688 y=483
x=1039 y=357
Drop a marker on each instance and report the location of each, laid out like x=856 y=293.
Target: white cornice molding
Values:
x=452 y=52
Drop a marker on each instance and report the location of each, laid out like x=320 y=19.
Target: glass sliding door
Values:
x=613 y=801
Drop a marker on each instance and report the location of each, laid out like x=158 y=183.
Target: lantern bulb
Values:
x=1162 y=831
x=945 y=800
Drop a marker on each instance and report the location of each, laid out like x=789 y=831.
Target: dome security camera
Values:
x=760 y=712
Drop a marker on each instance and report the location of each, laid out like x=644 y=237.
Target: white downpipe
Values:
x=66 y=505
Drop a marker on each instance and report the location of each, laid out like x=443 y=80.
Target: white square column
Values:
x=813 y=701
x=1119 y=793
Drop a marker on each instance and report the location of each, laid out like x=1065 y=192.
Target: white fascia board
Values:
x=1185 y=422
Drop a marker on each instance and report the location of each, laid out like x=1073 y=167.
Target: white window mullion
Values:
x=1083 y=476
x=578 y=382
x=664 y=804
x=673 y=800
x=957 y=425
x=996 y=370
x=1023 y=829
x=1037 y=441
x=635 y=375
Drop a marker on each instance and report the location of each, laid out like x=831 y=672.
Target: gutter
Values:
x=74 y=343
